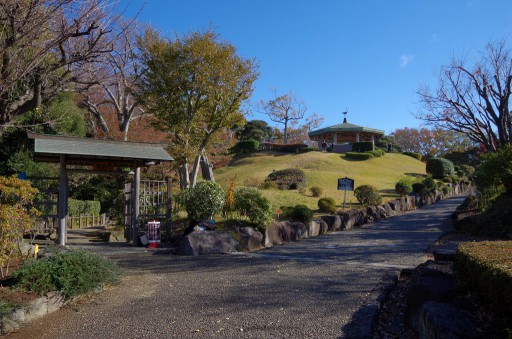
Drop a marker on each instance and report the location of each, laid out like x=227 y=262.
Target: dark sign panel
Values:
x=345 y=184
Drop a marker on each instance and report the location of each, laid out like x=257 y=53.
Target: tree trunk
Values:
x=184 y=178
x=206 y=169
x=195 y=171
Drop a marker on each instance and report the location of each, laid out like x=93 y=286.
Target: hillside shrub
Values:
x=16 y=217
x=308 y=149
x=485 y=268
x=419 y=188
x=316 y=191
x=359 y=156
x=430 y=184
x=245 y=147
x=302 y=213
x=377 y=152
x=367 y=195
x=267 y=185
x=495 y=171
x=440 y=168
x=447 y=180
x=327 y=205
x=403 y=186
x=255 y=207
x=72 y=273
x=467 y=170
x=362 y=146
x=414 y=155
x=446 y=190
x=204 y=200
x=290 y=178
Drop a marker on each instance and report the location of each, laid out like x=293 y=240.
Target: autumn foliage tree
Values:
x=195 y=87
x=473 y=98
x=16 y=217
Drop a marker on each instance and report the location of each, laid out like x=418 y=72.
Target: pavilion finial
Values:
x=345 y=114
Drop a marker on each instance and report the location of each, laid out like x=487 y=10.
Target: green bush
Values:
x=419 y=188
x=430 y=184
x=467 y=170
x=495 y=171
x=367 y=195
x=245 y=147
x=83 y=207
x=403 y=187
x=440 y=168
x=485 y=268
x=359 y=156
x=327 y=205
x=251 y=204
x=362 y=146
x=204 y=200
x=308 y=149
x=316 y=191
x=414 y=155
x=302 y=213
x=447 y=180
x=290 y=178
x=446 y=190
x=377 y=152
x=267 y=185
x=72 y=273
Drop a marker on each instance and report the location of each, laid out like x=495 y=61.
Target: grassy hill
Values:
x=322 y=169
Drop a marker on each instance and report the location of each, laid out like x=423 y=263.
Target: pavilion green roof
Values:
x=345 y=127
x=50 y=147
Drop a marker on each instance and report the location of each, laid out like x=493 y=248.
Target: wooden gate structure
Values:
x=95 y=157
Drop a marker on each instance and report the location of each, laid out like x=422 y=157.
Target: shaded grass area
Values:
x=323 y=170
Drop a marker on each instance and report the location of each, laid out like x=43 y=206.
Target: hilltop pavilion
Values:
x=342 y=135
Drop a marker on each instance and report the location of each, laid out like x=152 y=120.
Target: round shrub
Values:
x=204 y=200
x=245 y=147
x=467 y=170
x=251 y=204
x=327 y=205
x=290 y=178
x=302 y=213
x=367 y=195
x=430 y=184
x=419 y=188
x=316 y=191
x=72 y=273
x=403 y=188
x=447 y=179
x=414 y=155
x=446 y=190
x=440 y=168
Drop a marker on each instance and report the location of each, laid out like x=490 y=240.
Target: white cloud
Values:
x=405 y=60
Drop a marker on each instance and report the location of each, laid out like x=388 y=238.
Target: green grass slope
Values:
x=322 y=169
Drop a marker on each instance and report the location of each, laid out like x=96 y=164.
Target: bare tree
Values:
x=107 y=86
x=42 y=42
x=283 y=109
x=473 y=100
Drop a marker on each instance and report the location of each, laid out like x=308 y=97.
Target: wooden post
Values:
x=169 y=210
x=135 y=220
x=63 y=199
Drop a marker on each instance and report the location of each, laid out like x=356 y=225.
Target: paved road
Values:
x=306 y=289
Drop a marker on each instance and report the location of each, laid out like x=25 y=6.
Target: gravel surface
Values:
x=306 y=289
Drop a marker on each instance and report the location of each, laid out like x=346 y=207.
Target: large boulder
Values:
x=249 y=238
x=439 y=320
x=333 y=222
x=273 y=235
x=372 y=214
x=317 y=227
x=207 y=242
x=352 y=218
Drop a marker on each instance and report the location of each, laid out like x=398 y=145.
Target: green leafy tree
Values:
x=195 y=87
x=255 y=130
x=204 y=200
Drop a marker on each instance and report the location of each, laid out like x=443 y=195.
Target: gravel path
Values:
x=306 y=289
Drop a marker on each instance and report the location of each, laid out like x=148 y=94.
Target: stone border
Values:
x=33 y=310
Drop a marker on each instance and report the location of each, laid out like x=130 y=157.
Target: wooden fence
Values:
x=49 y=222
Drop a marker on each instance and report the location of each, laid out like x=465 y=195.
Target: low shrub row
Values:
x=289 y=178
x=362 y=146
x=486 y=271
x=413 y=155
x=359 y=156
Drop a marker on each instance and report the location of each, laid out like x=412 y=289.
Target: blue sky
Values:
x=369 y=57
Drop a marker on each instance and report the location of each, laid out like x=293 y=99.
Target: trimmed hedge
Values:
x=359 y=156
x=486 y=270
x=288 y=148
x=308 y=149
x=362 y=146
x=327 y=205
x=413 y=154
x=245 y=147
x=289 y=178
x=377 y=153
x=83 y=207
x=302 y=213
x=367 y=195
x=440 y=168
x=419 y=188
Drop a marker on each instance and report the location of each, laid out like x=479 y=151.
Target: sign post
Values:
x=345 y=184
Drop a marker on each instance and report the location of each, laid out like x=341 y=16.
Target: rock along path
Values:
x=305 y=289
